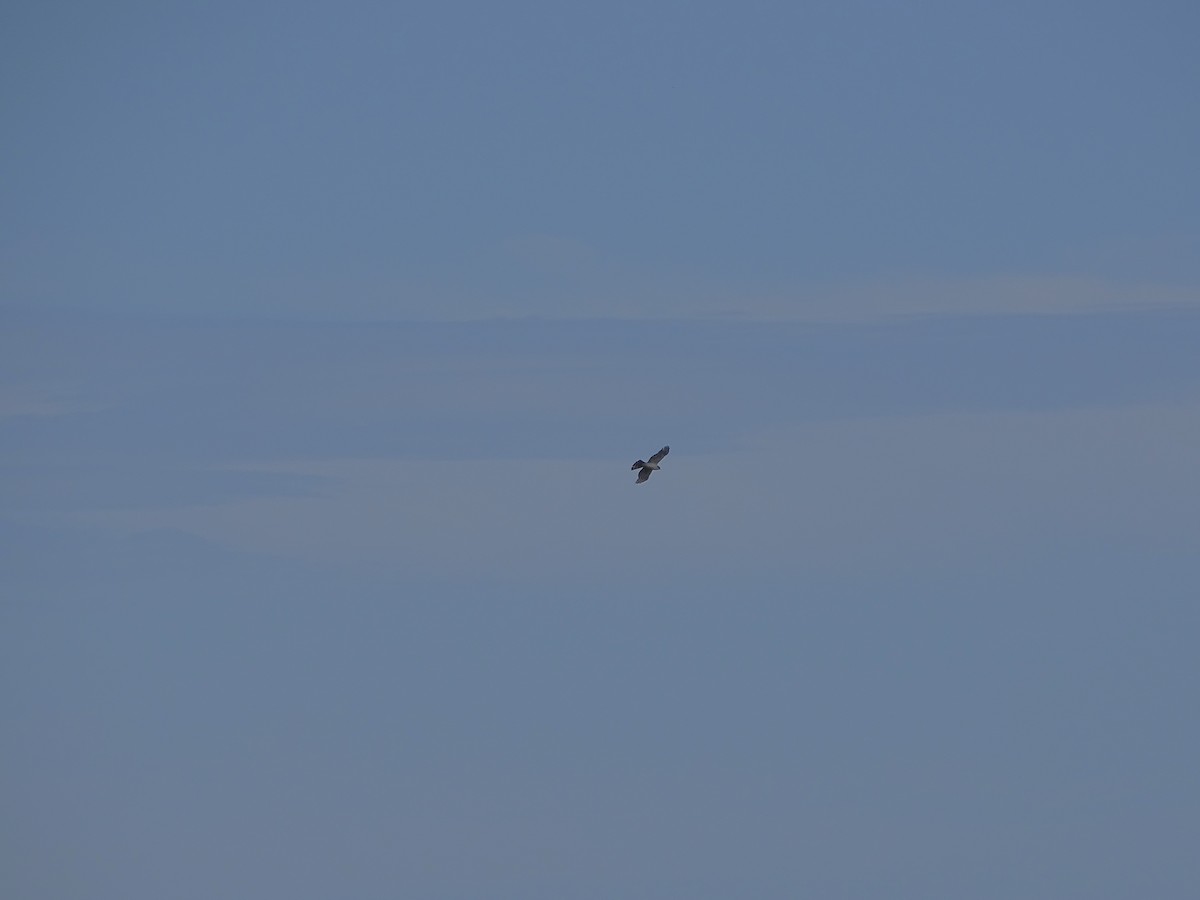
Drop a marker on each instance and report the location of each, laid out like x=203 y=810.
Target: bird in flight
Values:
x=649 y=466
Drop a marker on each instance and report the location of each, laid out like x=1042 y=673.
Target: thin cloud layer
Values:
x=498 y=449
x=998 y=296
x=886 y=496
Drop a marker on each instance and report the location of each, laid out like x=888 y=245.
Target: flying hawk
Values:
x=651 y=466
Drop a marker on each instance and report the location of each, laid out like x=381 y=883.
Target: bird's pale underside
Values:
x=649 y=465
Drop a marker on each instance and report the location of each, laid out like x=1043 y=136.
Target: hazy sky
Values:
x=329 y=332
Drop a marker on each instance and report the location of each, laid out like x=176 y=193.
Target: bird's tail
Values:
x=637 y=465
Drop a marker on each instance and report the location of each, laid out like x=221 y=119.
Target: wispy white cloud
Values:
x=603 y=295
x=877 y=495
x=885 y=300
x=563 y=277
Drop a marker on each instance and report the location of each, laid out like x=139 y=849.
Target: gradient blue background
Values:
x=330 y=331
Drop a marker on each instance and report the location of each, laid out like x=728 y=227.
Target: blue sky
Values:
x=329 y=334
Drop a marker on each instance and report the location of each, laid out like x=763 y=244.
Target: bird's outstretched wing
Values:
x=643 y=475
x=657 y=457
